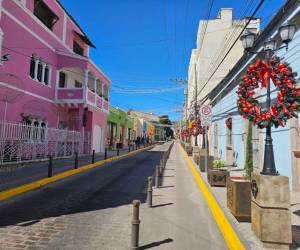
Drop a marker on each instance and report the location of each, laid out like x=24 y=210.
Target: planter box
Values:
x=239 y=199
x=217 y=177
x=189 y=149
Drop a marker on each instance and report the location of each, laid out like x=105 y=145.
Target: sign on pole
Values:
x=206 y=115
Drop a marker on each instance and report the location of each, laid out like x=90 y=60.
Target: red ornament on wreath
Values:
x=288 y=95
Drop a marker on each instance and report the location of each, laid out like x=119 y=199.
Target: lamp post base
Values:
x=270 y=210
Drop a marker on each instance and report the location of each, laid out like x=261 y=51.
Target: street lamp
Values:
x=286 y=32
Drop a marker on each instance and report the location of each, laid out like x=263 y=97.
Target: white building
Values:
x=214 y=39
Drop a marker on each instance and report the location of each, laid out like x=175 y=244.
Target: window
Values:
x=44 y=13
x=62 y=80
x=40 y=72
x=77 y=48
x=78 y=84
x=32 y=67
x=105 y=92
x=99 y=88
x=46 y=77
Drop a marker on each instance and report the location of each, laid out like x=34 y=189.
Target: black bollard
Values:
x=118 y=152
x=93 y=156
x=135 y=225
x=150 y=190
x=50 y=166
x=76 y=160
x=129 y=148
x=157 y=176
x=105 y=154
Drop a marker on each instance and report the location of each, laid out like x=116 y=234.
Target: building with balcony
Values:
x=49 y=79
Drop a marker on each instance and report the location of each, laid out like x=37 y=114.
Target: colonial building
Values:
x=119 y=128
x=214 y=39
x=229 y=142
x=48 y=81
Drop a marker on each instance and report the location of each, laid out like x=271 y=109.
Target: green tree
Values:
x=249 y=153
x=164 y=119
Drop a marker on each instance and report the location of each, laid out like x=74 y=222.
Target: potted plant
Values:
x=217 y=176
x=239 y=189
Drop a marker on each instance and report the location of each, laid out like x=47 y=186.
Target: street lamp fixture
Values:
x=286 y=32
x=247 y=40
x=270 y=44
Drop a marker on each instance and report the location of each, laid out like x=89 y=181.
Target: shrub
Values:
x=218 y=164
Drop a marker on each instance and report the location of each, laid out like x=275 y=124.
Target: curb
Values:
x=12 y=192
x=230 y=236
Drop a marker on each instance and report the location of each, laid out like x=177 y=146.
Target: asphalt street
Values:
x=92 y=210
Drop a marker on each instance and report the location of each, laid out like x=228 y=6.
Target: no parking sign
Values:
x=206 y=115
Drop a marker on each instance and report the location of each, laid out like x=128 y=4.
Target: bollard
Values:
x=157 y=177
x=135 y=225
x=50 y=166
x=76 y=160
x=93 y=156
x=149 y=197
x=118 y=152
x=105 y=154
x=129 y=148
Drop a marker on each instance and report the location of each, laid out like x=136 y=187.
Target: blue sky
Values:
x=142 y=44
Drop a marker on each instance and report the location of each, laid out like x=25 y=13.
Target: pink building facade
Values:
x=49 y=79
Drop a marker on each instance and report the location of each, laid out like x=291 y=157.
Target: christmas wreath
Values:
x=288 y=95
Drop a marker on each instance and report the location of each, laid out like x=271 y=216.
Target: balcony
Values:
x=81 y=86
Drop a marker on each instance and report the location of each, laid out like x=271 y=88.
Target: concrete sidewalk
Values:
x=180 y=217
x=244 y=228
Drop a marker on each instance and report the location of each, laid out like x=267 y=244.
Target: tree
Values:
x=164 y=119
x=249 y=153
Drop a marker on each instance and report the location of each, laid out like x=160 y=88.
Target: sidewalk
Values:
x=244 y=228
x=13 y=176
x=180 y=218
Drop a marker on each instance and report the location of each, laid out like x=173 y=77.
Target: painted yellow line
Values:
x=232 y=240
x=6 y=194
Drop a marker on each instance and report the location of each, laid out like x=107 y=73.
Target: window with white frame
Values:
x=105 y=92
x=39 y=70
x=35 y=129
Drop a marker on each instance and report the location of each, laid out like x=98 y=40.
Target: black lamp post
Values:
x=286 y=32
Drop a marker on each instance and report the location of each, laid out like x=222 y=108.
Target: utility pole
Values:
x=196 y=108
x=186 y=99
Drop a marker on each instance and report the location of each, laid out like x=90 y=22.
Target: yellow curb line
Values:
x=230 y=236
x=6 y=194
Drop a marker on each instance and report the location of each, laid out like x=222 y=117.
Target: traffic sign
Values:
x=205 y=110
x=206 y=115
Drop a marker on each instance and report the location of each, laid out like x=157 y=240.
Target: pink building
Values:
x=49 y=80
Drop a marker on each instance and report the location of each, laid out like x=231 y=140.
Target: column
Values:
x=50 y=73
x=95 y=89
x=86 y=79
x=43 y=72
x=37 y=61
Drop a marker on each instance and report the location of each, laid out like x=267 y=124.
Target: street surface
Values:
x=93 y=210
x=19 y=174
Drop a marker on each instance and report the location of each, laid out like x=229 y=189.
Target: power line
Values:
x=250 y=19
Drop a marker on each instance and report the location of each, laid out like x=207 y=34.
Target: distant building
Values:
x=119 y=128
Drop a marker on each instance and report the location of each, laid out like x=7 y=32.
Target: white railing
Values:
x=21 y=143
